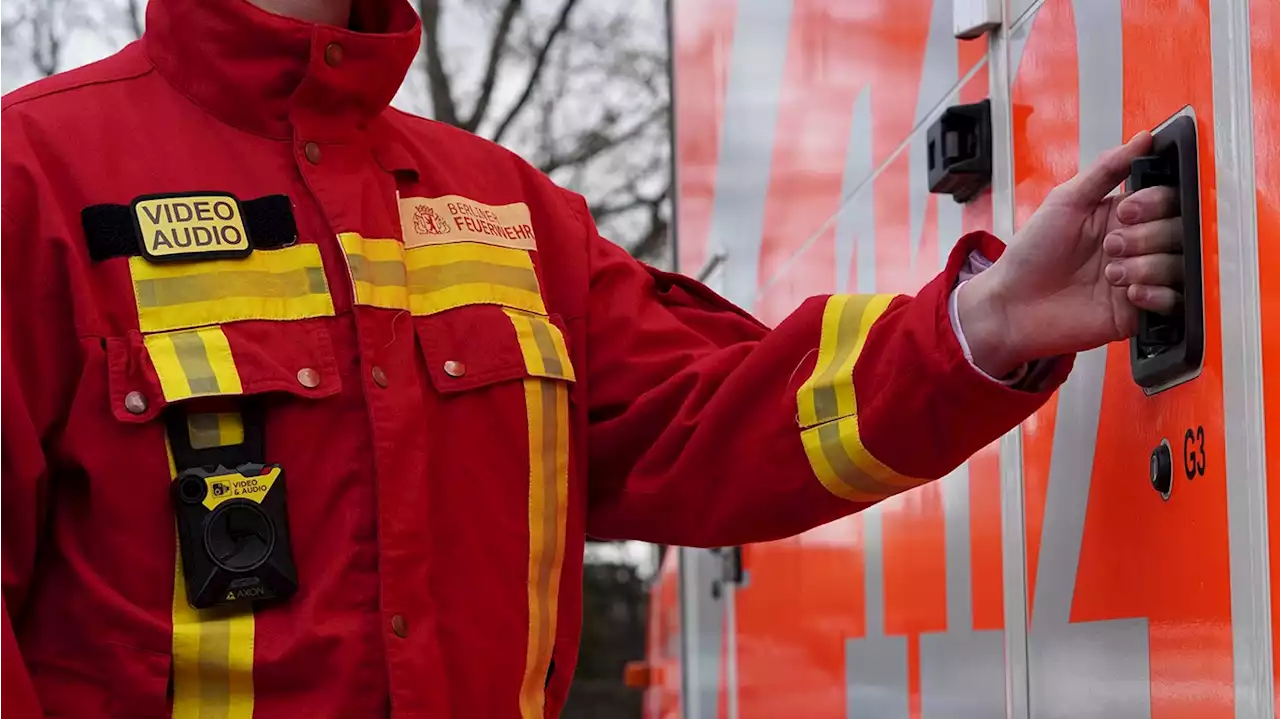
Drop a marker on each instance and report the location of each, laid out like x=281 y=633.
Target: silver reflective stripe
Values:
x=1243 y=412
x=941 y=68
x=856 y=222
x=752 y=101
x=961 y=670
x=876 y=665
x=1084 y=670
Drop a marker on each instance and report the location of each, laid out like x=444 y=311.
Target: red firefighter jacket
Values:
x=460 y=377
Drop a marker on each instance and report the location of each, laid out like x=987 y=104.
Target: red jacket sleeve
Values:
x=41 y=356
x=707 y=429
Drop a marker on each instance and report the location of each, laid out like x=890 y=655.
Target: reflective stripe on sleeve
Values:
x=284 y=284
x=547 y=405
x=543 y=346
x=828 y=393
x=827 y=406
x=212 y=649
x=193 y=363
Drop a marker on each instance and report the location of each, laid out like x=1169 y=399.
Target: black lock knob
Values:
x=1162 y=469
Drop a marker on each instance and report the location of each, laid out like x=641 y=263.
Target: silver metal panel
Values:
x=1013 y=529
x=702 y=629
x=1244 y=414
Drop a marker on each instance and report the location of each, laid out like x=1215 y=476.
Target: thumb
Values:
x=1091 y=185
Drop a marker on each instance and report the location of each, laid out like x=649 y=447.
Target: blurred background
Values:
x=581 y=90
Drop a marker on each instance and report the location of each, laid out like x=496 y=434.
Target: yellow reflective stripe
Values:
x=846 y=468
x=434 y=278
x=378 y=275
x=442 y=277
x=543 y=346
x=828 y=393
x=547 y=405
x=193 y=363
x=284 y=284
x=215 y=429
x=212 y=653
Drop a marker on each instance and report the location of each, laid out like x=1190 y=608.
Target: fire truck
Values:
x=1112 y=556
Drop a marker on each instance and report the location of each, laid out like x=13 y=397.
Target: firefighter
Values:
x=309 y=404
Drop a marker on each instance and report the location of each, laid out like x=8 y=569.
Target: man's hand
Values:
x=1077 y=274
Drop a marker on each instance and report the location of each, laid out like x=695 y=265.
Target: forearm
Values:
x=850 y=400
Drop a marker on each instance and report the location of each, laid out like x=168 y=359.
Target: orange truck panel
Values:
x=1045 y=577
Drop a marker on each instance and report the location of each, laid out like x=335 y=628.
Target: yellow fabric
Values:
x=827 y=405
x=846 y=468
x=213 y=652
x=217 y=429
x=284 y=284
x=828 y=394
x=193 y=363
x=434 y=278
x=547 y=405
x=377 y=271
x=442 y=277
x=543 y=346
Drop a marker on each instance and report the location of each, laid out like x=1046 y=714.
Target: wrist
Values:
x=982 y=312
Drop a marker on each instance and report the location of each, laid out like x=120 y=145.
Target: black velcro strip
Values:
x=270 y=222
x=109 y=229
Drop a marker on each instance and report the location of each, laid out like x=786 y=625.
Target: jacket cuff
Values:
x=917 y=389
x=1029 y=376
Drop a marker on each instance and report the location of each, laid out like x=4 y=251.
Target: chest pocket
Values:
x=224 y=328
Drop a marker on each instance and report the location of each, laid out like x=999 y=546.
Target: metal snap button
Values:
x=454 y=368
x=379 y=376
x=400 y=626
x=308 y=378
x=312 y=151
x=333 y=55
x=135 y=403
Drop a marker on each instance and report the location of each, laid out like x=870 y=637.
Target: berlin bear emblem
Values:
x=426 y=221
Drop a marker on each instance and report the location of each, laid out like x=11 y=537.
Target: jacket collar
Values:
x=280 y=77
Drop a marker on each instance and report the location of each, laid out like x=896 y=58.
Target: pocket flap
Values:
x=478 y=345
x=240 y=358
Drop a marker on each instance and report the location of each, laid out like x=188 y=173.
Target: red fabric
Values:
x=410 y=499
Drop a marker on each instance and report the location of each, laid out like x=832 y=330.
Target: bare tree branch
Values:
x=594 y=143
x=46 y=36
x=655 y=238
x=438 y=83
x=135 y=18
x=535 y=73
x=497 y=48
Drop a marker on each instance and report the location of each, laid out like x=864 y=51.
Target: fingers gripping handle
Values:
x=1169 y=349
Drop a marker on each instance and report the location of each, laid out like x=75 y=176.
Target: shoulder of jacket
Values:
x=437 y=139
x=441 y=141
x=127 y=64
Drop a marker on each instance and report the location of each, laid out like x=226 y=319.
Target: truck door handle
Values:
x=1169 y=349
